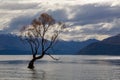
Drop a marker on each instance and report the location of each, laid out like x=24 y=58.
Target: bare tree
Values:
x=41 y=35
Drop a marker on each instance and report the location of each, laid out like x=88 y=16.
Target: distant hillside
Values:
x=115 y=40
x=71 y=47
x=11 y=44
x=109 y=46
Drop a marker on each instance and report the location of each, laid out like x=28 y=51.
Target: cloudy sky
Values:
x=87 y=19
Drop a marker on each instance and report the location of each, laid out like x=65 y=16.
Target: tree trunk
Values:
x=31 y=64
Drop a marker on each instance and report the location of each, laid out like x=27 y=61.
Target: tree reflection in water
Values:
x=38 y=75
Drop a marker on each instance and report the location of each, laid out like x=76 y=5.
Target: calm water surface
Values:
x=67 y=68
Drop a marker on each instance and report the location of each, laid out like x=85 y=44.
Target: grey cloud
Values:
x=18 y=6
x=17 y=23
x=91 y=13
x=59 y=14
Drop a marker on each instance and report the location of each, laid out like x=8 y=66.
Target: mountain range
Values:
x=11 y=44
x=109 y=46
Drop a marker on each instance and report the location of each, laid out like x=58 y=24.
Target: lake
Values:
x=69 y=67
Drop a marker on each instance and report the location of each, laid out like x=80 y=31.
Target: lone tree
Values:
x=41 y=35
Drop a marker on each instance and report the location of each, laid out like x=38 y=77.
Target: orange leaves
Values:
x=36 y=22
x=43 y=20
x=46 y=19
x=43 y=27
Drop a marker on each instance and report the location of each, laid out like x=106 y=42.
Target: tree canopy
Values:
x=41 y=35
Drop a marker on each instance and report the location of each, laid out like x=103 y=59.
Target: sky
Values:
x=85 y=19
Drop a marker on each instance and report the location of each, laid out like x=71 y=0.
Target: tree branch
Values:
x=52 y=57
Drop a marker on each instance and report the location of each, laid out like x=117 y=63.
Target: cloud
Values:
x=59 y=14
x=18 y=22
x=85 y=20
x=18 y=6
x=93 y=21
x=110 y=28
x=91 y=13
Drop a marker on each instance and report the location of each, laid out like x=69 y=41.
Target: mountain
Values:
x=109 y=46
x=11 y=44
x=71 y=47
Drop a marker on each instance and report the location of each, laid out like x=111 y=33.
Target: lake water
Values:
x=78 y=67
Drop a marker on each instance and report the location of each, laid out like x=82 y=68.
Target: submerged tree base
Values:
x=31 y=64
x=31 y=67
